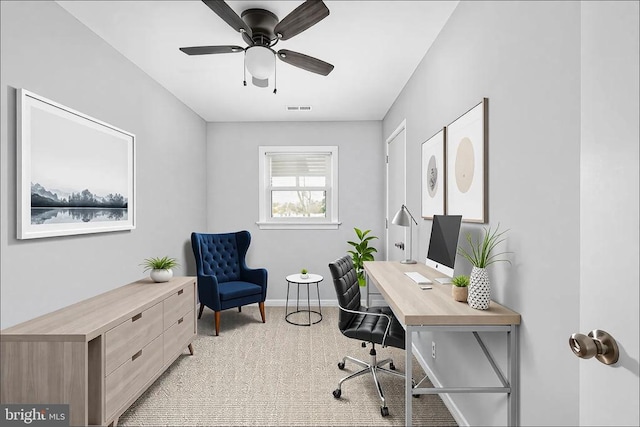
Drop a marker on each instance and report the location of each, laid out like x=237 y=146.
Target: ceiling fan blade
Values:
x=207 y=50
x=260 y=82
x=224 y=11
x=305 y=62
x=301 y=18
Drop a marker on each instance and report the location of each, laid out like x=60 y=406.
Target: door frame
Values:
x=401 y=127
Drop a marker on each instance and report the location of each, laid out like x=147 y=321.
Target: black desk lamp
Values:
x=403 y=218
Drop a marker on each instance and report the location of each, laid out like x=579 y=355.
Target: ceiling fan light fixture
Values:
x=260 y=62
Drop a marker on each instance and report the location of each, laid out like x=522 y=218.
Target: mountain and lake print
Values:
x=51 y=206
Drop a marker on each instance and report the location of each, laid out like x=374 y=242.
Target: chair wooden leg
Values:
x=217 y=322
x=201 y=310
x=261 y=305
x=240 y=309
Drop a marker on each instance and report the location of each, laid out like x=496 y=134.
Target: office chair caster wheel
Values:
x=413 y=385
x=337 y=393
x=341 y=365
x=392 y=366
x=384 y=411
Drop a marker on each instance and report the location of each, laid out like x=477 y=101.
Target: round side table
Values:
x=297 y=280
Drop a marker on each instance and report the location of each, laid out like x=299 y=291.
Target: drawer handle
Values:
x=181 y=291
x=135 y=356
x=136 y=317
x=180 y=320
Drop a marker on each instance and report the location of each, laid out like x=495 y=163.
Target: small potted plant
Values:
x=304 y=274
x=161 y=268
x=481 y=254
x=459 y=290
x=362 y=252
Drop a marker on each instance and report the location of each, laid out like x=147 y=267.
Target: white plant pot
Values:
x=479 y=289
x=161 y=275
x=304 y=275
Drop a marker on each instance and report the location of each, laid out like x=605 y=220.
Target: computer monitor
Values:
x=443 y=245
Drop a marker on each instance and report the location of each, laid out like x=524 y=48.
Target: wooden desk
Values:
x=435 y=310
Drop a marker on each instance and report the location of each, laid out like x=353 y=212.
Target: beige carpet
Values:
x=276 y=374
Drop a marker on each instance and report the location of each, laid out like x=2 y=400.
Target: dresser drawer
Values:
x=177 y=305
x=177 y=336
x=132 y=375
x=131 y=335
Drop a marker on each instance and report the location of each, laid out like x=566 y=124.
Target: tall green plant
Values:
x=481 y=253
x=362 y=252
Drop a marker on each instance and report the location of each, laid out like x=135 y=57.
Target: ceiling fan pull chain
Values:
x=244 y=68
x=275 y=78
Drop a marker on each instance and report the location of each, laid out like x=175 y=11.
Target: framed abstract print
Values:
x=433 y=175
x=466 y=154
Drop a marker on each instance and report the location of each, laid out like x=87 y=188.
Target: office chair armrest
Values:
x=367 y=313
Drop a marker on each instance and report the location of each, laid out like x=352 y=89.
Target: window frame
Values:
x=266 y=222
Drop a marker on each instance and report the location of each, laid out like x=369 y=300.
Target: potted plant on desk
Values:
x=459 y=290
x=304 y=274
x=362 y=252
x=480 y=255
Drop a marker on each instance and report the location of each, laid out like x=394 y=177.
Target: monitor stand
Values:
x=443 y=280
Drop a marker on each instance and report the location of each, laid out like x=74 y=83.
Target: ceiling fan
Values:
x=262 y=30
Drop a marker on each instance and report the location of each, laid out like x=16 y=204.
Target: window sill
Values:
x=298 y=225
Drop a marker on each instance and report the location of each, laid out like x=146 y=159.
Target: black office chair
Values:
x=376 y=325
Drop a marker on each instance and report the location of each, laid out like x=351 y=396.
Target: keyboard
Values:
x=417 y=277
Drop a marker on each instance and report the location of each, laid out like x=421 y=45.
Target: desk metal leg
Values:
x=513 y=373
x=408 y=370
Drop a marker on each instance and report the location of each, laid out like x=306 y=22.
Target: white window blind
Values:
x=297 y=170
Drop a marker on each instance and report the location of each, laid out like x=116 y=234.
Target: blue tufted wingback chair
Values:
x=224 y=280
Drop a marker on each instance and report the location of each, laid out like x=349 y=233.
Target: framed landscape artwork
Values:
x=433 y=175
x=466 y=156
x=76 y=174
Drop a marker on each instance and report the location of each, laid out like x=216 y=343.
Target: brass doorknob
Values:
x=597 y=343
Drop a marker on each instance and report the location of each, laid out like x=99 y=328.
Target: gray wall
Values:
x=525 y=57
x=232 y=194
x=609 y=272
x=47 y=51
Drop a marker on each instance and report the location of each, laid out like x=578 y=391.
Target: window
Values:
x=298 y=187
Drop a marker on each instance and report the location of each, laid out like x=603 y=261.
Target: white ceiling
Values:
x=374 y=45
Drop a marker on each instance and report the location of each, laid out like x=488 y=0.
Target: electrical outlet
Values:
x=433 y=349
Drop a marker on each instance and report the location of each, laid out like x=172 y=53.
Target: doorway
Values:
x=396 y=192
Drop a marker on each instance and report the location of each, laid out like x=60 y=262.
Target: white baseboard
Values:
x=446 y=398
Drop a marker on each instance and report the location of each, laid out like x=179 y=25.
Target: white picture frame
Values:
x=466 y=154
x=433 y=187
x=75 y=173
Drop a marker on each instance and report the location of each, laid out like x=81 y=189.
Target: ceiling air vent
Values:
x=298 y=108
